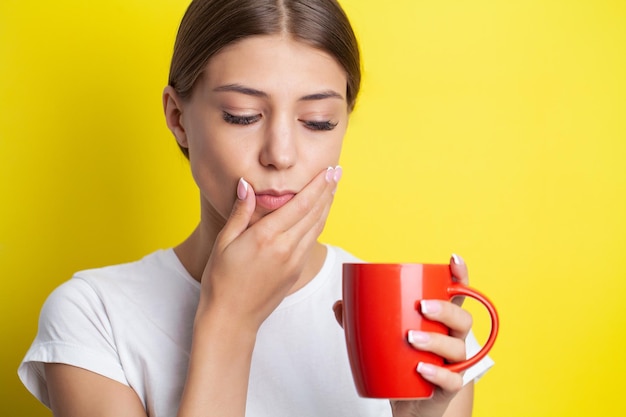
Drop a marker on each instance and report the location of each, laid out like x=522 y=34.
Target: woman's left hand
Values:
x=451 y=347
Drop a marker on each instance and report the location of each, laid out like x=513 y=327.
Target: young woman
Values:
x=237 y=319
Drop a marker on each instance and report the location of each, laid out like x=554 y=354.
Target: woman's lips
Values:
x=273 y=201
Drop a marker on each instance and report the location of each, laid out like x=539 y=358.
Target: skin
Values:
x=273 y=111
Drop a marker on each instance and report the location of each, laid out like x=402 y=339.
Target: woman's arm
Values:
x=463 y=403
x=216 y=385
x=76 y=392
x=219 y=369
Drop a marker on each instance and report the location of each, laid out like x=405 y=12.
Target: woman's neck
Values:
x=194 y=252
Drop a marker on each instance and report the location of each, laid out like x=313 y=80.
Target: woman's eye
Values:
x=319 y=125
x=240 y=120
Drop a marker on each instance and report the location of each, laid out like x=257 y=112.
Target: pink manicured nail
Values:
x=457 y=259
x=330 y=173
x=426 y=369
x=242 y=189
x=416 y=337
x=338 y=173
x=430 y=307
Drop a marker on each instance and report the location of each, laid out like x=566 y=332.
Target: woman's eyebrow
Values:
x=322 y=95
x=238 y=88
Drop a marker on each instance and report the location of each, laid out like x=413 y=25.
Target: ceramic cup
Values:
x=381 y=303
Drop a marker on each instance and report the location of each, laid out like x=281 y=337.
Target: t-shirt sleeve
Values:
x=73 y=329
x=475 y=372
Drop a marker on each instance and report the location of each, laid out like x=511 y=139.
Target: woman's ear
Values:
x=173 y=108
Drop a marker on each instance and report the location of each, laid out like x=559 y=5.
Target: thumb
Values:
x=460 y=275
x=338 y=310
x=241 y=213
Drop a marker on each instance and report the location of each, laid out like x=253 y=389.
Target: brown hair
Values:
x=210 y=25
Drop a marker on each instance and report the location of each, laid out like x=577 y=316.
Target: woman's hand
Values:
x=252 y=268
x=249 y=272
x=446 y=400
x=451 y=347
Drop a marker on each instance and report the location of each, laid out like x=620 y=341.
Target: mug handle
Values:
x=459 y=289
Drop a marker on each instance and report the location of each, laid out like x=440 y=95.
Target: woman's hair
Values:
x=210 y=25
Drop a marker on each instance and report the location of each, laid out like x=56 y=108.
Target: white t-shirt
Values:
x=133 y=323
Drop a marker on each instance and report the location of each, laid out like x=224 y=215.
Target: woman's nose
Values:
x=279 y=145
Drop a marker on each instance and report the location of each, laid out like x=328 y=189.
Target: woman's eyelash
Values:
x=240 y=120
x=323 y=125
x=247 y=120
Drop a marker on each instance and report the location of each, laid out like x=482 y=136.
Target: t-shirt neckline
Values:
x=317 y=282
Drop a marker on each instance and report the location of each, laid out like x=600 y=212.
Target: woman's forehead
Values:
x=271 y=62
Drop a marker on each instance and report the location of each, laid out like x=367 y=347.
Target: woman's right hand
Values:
x=252 y=268
x=249 y=272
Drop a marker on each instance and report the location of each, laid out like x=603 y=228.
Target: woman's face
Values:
x=270 y=109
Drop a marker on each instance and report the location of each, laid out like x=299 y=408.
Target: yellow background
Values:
x=494 y=129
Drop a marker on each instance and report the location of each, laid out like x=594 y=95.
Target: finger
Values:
x=445 y=379
x=450 y=348
x=313 y=206
x=307 y=231
x=338 y=310
x=303 y=205
x=315 y=219
x=303 y=236
x=458 y=268
x=240 y=215
x=459 y=321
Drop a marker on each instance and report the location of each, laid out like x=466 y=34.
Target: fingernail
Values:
x=338 y=173
x=242 y=189
x=426 y=369
x=330 y=173
x=457 y=259
x=430 y=307
x=416 y=337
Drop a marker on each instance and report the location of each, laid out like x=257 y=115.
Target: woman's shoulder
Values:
x=157 y=272
x=157 y=260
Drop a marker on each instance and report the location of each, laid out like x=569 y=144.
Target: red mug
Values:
x=380 y=305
